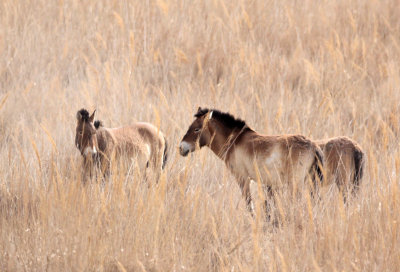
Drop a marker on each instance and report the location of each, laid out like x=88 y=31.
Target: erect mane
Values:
x=84 y=115
x=225 y=118
x=98 y=124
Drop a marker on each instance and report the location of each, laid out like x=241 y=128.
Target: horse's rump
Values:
x=344 y=161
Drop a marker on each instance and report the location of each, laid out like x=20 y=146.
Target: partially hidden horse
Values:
x=140 y=143
x=276 y=160
x=344 y=162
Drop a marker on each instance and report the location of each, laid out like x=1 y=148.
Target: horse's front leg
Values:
x=267 y=205
x=244 y=184
x=103 y=165
x=88 y=170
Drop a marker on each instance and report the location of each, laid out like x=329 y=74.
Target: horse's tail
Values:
x=317 y=166
x=165 y=155
x=359 y=161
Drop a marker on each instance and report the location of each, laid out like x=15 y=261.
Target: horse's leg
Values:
x=267 y=205
x=104 y=167
x=159 y=164
x=148 y=173
x=145 y=165
x=84 y=175
x=155 y=166
x=342 y=180
x=244 y=184
x=87 y=171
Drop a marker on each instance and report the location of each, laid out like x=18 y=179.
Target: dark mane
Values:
x=98 y=124
x=225 y=118
x=84 y=115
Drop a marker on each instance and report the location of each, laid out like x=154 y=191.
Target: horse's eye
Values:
x=196 y=130
x=80 y=133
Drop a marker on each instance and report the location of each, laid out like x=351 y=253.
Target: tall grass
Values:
x=319 y=68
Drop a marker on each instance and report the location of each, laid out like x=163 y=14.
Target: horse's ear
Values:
x=78 y=116
x=211 y=113
x=199 y=109
x=91 y=118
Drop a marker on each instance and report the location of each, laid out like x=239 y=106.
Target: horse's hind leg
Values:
x=343 y=181
x=153 y=171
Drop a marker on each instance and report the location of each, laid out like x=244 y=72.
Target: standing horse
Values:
x=279 y=159
x=344 y=162
x=141 y=143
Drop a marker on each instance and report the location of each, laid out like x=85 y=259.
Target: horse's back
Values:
x=293 y=147
x=130 y=144
x=277 y=157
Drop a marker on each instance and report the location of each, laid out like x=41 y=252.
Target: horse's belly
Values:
x=134 y=154
x=270 y=171
x=272 y=177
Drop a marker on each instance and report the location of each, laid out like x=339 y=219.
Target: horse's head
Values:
x=85 y=138
x=198 y=133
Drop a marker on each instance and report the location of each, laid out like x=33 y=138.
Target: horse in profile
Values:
x=277 y=160
x=140 y=143
x=344 y=162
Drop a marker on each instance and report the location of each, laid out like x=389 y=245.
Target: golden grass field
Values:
x=317 y=68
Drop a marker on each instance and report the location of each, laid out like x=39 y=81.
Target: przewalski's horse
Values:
x=279 y=159
x=344 y=162
x=141 y=142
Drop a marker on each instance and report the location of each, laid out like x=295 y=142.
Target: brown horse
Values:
x=141 y=143
x=279 y=159
x=344 y=162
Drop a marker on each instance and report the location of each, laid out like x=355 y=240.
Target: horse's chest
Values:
x=237 y=162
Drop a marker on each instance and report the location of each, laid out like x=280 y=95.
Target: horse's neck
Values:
x=104 y=138
x=223 y=140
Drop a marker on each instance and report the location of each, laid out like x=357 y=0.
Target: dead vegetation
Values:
x=319 y=68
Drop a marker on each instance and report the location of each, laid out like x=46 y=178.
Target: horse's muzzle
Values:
x=184 y=153
x=184 y=149
x=89 y=151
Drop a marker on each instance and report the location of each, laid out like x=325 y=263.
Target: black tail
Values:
x=318 y=176
x=359 y=161
x=165 y=157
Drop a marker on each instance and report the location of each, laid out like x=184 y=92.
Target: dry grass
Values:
x=319 y=68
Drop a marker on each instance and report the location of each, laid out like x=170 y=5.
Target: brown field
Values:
x=318 y=68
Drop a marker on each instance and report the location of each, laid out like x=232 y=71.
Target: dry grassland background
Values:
x=318 y=68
